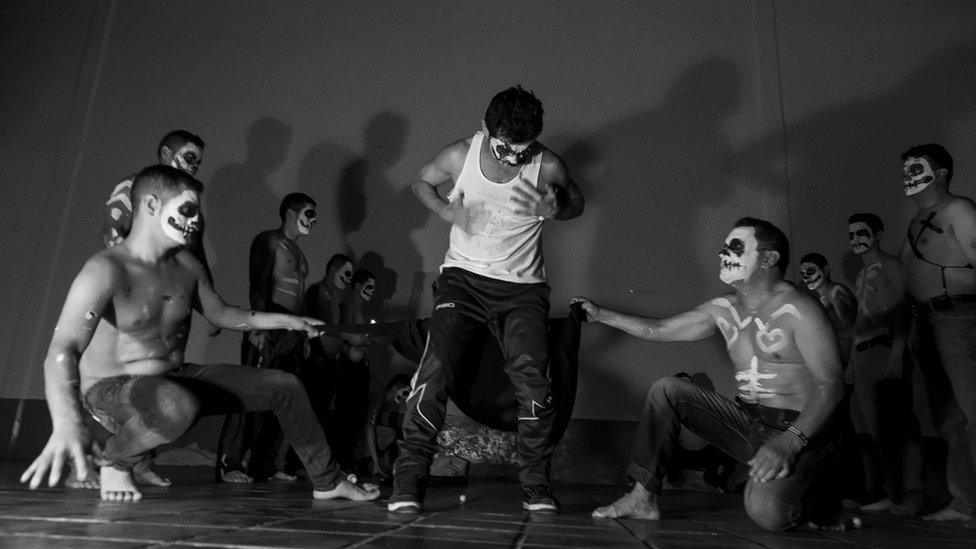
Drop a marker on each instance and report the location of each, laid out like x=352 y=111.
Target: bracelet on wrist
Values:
x=799 y=434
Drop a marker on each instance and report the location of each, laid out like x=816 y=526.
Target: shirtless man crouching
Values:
x=117 y=355
x=787 y=367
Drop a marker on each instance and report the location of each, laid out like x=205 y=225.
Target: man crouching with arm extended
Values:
x=789 y=377
x=117 y=354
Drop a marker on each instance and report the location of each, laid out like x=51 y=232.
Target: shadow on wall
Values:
x=240 y=202
x=846 y=159
x=648 y=177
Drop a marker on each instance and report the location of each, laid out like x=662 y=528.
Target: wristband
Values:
x=799 y=434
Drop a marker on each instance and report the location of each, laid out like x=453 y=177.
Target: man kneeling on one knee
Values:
x=789 y=377
x=117 y=354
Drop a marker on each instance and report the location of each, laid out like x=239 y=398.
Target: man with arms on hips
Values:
x=506 y=186
x=117 y=354
x=882 y=405
x=789 y=377
x=938 y=255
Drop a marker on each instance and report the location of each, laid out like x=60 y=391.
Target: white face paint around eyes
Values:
x=917 y=175
x=187 y=158
x=739 y=257
x=180 y=217
x=513 y=154
x=367 y=292
x=343 y=277
x=305 y=220
x=861 y=237
x=811 y=275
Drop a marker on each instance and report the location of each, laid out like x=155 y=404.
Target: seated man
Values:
x=117 y=354
x=787 y=366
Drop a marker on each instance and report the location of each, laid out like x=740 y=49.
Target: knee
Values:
x=283 y=382
x=667 y=389
x=166 y=408
x=770 y=512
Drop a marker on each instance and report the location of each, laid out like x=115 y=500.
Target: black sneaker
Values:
x=408 y=492
x=538 y=498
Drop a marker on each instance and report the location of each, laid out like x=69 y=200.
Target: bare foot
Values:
x=235 y=477
x=947 y=514
x=638 y=504
x=283 y=476
x=911 y=506
x=144 y=475
x=882 y=505
x=347 y=490
x=118 y=485
x=840 y=525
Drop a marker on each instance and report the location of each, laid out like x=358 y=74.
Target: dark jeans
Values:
x=882 y=406
x=140 y=413
x=945 y=348
x=517 y=314
x=808 y=493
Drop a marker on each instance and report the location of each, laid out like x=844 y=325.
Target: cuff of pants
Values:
x=962 y=507
x=645 y=477
x=102 y=459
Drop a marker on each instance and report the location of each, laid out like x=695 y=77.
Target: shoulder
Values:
x=104 y=269
x=800 y=304
x=186 y=260
x=269 y=237
x=721 y=304
x=960 y=208
x=552 y=166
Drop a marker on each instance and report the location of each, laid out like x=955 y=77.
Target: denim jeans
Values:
x=945 y=348
x=808 y=493
x=517 y=314
x=140 y=413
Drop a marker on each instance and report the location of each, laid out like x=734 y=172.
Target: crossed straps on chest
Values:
x=913 y=240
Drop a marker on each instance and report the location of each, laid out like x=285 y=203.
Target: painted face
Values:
x=368 y=289
x=343 y=277
x=187 y=158
x=861 y=236
x=812 y=275
x=917 y=175
x=513 y=154
x=180 y=217
x=739 y=257
x=398 y=394
x=305 y=219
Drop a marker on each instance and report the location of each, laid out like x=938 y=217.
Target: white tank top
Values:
x=487 y=237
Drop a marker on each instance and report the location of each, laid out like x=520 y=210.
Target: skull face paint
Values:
x=812 y=275
x=305 y=219
x=187 y=158
x=917 y=175
x=180 y=217
x=343 y=277
x=739 y=257
x=512 y=154
x=861 y=236
x=368 y=289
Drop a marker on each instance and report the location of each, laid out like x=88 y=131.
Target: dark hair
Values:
x=362 y=275
x=515 y=115
x=398 y=379
x=176 y=139
x=816 y=258
x=871 y=220
x=935 y=153
x=337 y=261
x=162 y=180
x=770 y=238
x=294 y=202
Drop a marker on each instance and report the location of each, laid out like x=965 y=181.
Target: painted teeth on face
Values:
x=917 y=175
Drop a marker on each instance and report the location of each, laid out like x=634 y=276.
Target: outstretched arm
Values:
x=442 y=169
x=688 y=326
x=84 y=306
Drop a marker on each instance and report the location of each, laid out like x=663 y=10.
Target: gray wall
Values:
x=676 y=117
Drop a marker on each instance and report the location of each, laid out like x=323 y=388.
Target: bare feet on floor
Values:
x=882 y=505
x=118 y=485
x=947 y=514
x=283 y=476
x=841 y=524
x=638 y=504
x=235 y=477
x=348 y=490
x=144 y=475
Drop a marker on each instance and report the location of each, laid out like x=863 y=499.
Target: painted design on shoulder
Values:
x=772 y=340
x=730 y=332
x=90 y=314
x=750 y=382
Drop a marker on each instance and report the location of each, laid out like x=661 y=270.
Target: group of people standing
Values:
x=117 y=353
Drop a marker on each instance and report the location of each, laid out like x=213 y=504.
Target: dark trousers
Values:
x=517 y=314
x=945 y=348
x=810 y=492
x=140 y=413
x=317 y=375
x=347 y=422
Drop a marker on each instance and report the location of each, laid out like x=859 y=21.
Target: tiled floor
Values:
x=198 y=513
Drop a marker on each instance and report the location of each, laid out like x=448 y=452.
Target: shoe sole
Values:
x=411 y=507
x=540 y=507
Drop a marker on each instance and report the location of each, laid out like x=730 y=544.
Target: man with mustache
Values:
x=938 y=255
x=787 y=366
x=115 y=371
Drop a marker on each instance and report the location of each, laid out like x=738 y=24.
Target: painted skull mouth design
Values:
x=912 y=183
x=188 y=231
x=729 y=265
x=812 y=282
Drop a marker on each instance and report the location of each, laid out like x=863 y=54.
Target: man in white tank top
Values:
x=505 y=186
